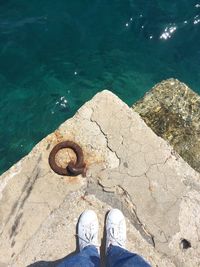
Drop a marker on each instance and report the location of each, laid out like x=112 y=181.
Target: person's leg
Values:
x=88 y=256
x=119 y=257
x=116 y=254
x=88 y=241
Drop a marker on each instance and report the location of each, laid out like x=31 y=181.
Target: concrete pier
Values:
x=128 y=167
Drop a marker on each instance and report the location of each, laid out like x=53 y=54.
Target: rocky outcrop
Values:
x=128 y=167
x=172 y=110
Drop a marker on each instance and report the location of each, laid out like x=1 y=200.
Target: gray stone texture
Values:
x=128 y=167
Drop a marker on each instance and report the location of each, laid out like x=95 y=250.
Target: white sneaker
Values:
x=115 y=229
x=88 y=227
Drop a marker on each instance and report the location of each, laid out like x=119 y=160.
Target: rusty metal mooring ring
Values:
x=73 y=168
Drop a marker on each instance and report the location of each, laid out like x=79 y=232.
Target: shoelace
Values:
x=88 y=240
x=115 y=238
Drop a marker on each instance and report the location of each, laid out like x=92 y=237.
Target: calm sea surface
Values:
x=55 y=55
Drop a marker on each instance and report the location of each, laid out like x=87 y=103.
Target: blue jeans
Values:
x=116 y=257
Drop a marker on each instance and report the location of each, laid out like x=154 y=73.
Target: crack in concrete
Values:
x=107 y=141
x=140 y=226
x=161 y=231
x=150 y=188
x=121 y=199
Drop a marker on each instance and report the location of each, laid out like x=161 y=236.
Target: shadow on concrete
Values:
x=51 y=263
x=55 y=263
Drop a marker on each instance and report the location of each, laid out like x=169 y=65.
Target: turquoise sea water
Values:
x=55 y=55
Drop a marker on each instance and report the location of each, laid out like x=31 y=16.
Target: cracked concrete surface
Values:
x=128 y=167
